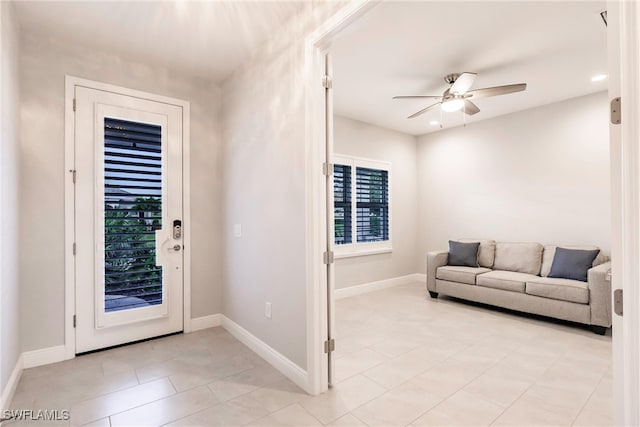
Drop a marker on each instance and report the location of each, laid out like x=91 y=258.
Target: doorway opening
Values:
x=324 y=42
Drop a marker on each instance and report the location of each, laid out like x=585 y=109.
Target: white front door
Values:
x=128 y=219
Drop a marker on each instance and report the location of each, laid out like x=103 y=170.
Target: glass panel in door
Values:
x=132 y=214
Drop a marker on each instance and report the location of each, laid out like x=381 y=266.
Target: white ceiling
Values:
x=397 y=48
x=208 y=39
x=406 y=48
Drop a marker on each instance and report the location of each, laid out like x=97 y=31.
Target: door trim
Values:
x=316 y=45
x=69 y=199
x=625 y=17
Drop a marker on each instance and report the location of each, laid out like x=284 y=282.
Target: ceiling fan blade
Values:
x=424 y=110
x=417 y=96
x=497 y=90
x=470 y=108
x=463 y=83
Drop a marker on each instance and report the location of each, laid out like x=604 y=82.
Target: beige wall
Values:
x=264 y=159
x=9 y=213
x=44 y=64
x=359 y=139
x=538 y=175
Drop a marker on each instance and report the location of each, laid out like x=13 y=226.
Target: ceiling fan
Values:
x=458 y=97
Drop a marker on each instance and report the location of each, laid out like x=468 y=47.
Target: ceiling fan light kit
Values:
x=453 y=104
x=458 y=97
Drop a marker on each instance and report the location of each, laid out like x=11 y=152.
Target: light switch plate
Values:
x=237 y=230
x=267 y=310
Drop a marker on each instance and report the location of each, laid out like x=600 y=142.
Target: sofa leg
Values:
x=600 y=330
x=433 y=295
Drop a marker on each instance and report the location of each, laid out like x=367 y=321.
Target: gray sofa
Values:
x=514 y=276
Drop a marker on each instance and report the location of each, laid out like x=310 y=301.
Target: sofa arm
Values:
x=435 y=259
x=600 y=294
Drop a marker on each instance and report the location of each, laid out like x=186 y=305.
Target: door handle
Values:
x=175 y=248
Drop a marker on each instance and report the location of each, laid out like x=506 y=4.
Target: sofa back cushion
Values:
x=486 y=253
x=550 y=252
x=518 y=256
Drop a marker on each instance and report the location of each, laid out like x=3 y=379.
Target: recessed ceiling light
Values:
x=434 y=123
x=598 y=77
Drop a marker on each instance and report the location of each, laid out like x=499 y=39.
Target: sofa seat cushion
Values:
x=505 y=280
x=559 y=289
x=460 y=274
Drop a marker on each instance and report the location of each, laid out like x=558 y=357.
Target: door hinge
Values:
x=327 y=169
x=73 y=175
x=74 y=248
x=74 y=320
x=329 y=346
x=617 y=301
x=327 y=257
x=74 y=104
x=327 y=83
x=616 y=111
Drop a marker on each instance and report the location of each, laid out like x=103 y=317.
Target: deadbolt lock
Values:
x=177 y=229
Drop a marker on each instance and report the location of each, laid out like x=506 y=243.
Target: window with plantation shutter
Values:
x=342 y=203
x=361 y=206
x=372 y=205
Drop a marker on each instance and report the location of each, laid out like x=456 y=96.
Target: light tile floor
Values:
x=401 y=359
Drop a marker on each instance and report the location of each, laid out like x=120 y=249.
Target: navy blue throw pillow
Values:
x=463 y=254
x=572 y=263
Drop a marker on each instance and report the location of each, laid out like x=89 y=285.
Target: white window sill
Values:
x=362 y=252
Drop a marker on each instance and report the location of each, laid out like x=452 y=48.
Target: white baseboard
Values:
x=31 y=359
x=12 y=383
x=381 y=284
x=205 y=322
x=289 y=369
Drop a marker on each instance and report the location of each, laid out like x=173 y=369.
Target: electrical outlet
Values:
x=237 y=230
x=267 y=310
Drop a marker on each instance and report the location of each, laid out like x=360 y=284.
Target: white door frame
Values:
x=69 y=196
x=615 y=155
x=316 y=45
x=624 y=16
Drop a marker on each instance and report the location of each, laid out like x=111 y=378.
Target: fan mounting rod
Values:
x=451 y=78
